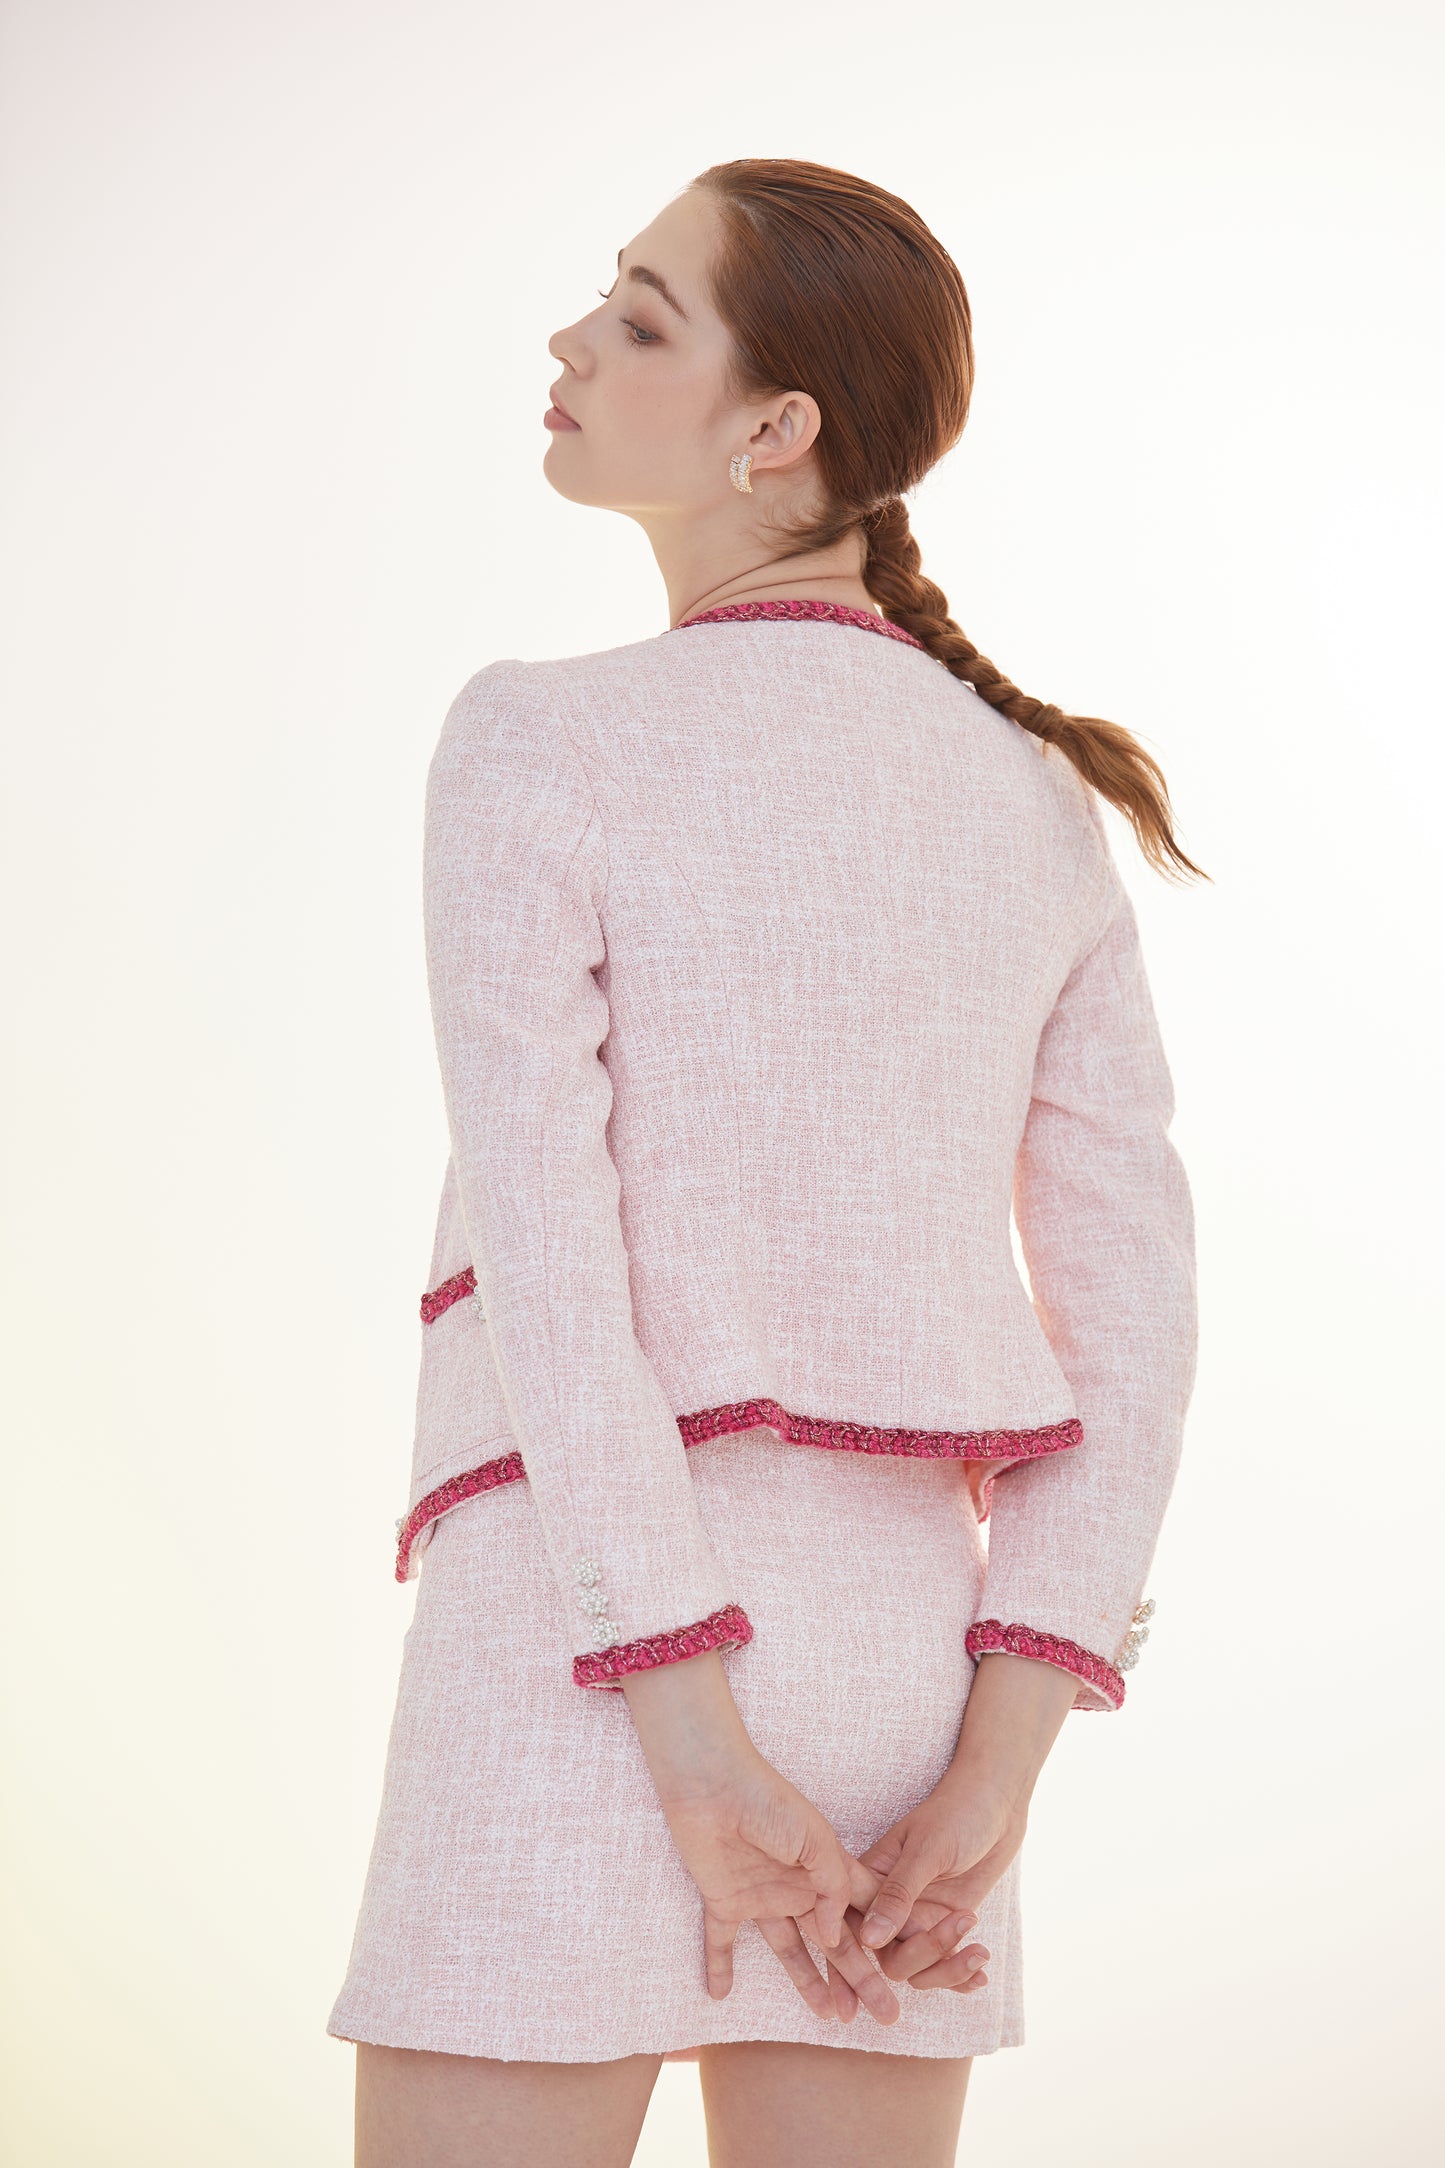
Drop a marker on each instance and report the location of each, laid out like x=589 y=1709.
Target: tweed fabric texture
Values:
x=769 y=967
x=524 y=1897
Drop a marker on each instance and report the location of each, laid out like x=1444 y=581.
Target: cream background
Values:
x=280 y=283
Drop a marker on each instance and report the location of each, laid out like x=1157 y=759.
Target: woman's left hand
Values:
x=934 y=1868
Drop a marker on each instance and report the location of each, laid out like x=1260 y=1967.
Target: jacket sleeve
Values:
x=1106 y=1223
x=515 y=863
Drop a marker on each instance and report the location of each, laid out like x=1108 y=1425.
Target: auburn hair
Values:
x=832 y=286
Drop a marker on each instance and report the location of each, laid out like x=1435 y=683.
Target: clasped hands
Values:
x=757 y=1848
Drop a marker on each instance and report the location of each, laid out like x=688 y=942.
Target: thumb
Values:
x=910 y=1876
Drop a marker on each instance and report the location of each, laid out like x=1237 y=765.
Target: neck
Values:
x=704 y=566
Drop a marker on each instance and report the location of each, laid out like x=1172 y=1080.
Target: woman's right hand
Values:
x=754 y=1845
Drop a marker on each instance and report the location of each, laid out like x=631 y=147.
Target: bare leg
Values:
x=786 y=2104
x=416 y=2109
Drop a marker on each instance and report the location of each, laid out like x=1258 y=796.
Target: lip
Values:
x=557 y=417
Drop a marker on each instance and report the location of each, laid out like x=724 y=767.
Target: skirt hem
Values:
x=368 y=2034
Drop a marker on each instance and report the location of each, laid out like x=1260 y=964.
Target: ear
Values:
x=785 y=433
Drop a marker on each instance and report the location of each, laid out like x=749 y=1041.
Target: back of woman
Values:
x=780 y=965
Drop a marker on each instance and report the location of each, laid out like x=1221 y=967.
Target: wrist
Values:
x=688 y=1725
x=1013 y=1715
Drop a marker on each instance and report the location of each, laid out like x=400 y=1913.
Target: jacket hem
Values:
x=821 y=1430
x=1005 y=1446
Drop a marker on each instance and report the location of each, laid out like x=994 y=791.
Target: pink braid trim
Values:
x=989 y=1638
x=452 y=1290
x=506 y=1469
x=836 y=613
x=1007 y=1446
x=729 y=1628
x=874 y=1438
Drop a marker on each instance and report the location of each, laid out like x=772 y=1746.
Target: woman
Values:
x=771 y=960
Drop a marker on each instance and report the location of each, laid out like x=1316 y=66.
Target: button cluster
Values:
x=589 y=1594
x=1138 y=1634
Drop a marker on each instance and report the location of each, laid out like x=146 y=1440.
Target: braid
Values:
x=1108 y=756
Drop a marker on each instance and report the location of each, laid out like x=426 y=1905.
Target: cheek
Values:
x=652 y=418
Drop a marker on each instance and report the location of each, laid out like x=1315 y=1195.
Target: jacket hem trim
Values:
x=989 y=1637
x=728 y=1628
x=1007 y=1446
x=821 y=1430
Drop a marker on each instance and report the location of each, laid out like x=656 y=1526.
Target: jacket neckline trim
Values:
x=800 y=611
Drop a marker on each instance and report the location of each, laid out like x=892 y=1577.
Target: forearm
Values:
x=1013 y=1715
x=688 y=1725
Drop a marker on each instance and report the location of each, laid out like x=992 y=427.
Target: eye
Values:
x=636 y=334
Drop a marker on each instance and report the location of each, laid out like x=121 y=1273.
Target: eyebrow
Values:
x=654 y=279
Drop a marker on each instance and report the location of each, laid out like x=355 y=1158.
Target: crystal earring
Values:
x=738 y=472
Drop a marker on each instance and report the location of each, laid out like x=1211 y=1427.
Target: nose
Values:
x=566 y=346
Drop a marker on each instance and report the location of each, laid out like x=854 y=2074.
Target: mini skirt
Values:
x=524 y=1898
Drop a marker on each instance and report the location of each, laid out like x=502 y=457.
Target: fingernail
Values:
x=876 y=1929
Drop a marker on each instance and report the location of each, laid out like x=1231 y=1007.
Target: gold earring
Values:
x=738 y=472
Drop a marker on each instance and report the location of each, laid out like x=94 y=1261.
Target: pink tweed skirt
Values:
x=524 y=1898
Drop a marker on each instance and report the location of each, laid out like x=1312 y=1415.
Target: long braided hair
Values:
x=830 y=285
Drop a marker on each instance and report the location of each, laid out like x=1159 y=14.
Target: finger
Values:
x=845 y=2002
x=861 y=1974
x=913 y=1951
x=864 y=1882
x=830 y=1904
x=929 y=1915
x=908 y=1879
x=882 y=1857
x=718 y=1937
x=783 y=1937
x=827 y=1867
x=961 y=1969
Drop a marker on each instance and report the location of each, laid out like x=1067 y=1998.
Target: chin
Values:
x=555 y=470
x=572 y=486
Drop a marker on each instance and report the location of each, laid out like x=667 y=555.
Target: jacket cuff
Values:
x=1101 y=1685
x=728 y=1628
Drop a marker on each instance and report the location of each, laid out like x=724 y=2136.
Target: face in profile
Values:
x=641 y=421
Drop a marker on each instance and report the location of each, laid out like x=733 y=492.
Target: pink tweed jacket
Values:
x=774 y=973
